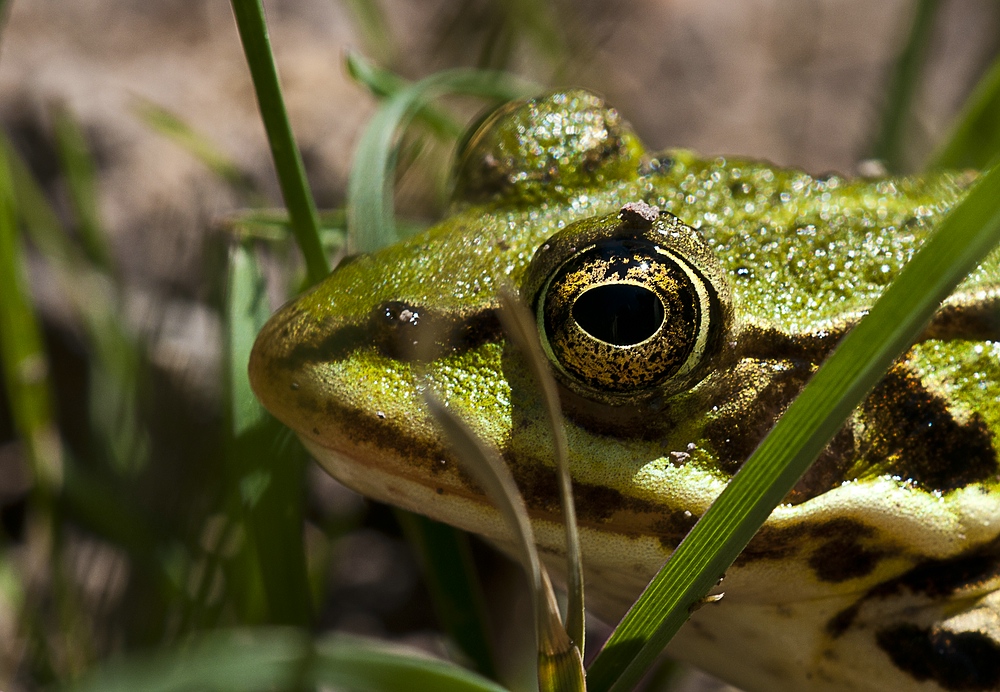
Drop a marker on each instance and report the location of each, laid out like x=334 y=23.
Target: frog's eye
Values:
x=630 y=304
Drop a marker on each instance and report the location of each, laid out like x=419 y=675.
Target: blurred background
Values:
x=134 y=128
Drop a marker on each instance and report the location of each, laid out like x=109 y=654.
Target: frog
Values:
x=682 y=302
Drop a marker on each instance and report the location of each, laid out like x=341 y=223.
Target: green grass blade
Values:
x=237 y=661
x=974 y=141
x=247 y=310
x=384 y=84
x=171 y=126
x=356 y=664
x=370 y=214
x=895 y=321
x=287 y=159
x=890 y=147
x=272 y=225
x=278 y=659
x=375 y=33
x=79 y=169
x=22 y=352
x=269 y=466
x=116 y=360
x=116 y=363
x=451 y=578
x=41 y=223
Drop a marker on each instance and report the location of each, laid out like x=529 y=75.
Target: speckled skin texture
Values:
x=882 y=549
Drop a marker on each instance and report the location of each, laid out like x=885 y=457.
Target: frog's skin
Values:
x=880 y=572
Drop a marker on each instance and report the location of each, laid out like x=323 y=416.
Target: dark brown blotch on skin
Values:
x=673 y=527
x=363 y=428
x=842 y=556
x=954 y=660
x=774 y=544
x=595 y=504
x=416 y=334
x=935 y=579
x=908 y=431
x=968 y=316
x=839 y=556
x=735 y=436
x=399 y=330
x=912 y=434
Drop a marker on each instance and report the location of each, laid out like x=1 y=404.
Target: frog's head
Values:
x=634 y=308
x=682 y=304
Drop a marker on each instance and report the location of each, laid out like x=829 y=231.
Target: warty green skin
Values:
x=881 y=571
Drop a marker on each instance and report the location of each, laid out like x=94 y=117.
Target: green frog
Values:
x=682 y=302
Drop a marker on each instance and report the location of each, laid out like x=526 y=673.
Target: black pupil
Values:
x=619 y=314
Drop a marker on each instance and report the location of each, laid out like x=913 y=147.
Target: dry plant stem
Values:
x=520 y=328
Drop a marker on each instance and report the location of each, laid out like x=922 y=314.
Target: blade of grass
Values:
x=974 y=141
x=116 y=361
x=269 y=465
x=41 y=222
x=358 y=664
x=889 y=146
x=370 y=215
x=451 y=578
x=22 y=353
x=287 y=159
x=521 y=330
x=246 y=312
x=240 y=661
x=24 y=369
x=375 y=32
x=273 y=225
x=90 y=496
x=277 y=658
x=841 y=383
x=384 y=84
x=560 y=663
x=79 y=169
x=171 y=126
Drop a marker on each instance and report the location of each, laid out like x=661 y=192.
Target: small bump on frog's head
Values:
x=546 y=148
x=638 y=214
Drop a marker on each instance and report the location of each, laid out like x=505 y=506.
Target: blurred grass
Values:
x=905 y=79
x=206 y=509
x=174 y=128
x=268 y=466
x=974 y=141
x=370 y=210
x=280 y=659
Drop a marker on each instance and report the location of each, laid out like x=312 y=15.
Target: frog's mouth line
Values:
x=842 y=536
x=420 y=462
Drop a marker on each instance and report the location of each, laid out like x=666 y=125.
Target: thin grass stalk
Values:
x=890 y=146
x=287 y=160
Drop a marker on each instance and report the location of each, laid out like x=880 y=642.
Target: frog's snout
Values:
x=278 y=364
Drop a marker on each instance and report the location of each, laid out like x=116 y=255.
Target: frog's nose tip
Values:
x=274 y=373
